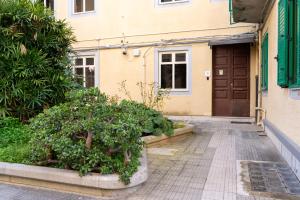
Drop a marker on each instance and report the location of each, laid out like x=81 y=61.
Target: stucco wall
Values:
x=145 y=22
x=282 y=110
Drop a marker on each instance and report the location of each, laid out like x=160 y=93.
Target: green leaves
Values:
x=89 y=134
x=34 y=63
x=14 y=138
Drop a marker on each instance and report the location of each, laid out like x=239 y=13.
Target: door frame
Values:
x=248 y=45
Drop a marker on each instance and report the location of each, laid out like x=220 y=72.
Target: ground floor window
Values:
x=49 y=4
x=173 y=70
x=84 y=70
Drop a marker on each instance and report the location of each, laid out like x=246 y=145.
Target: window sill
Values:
x=294 y=93
x=84 y=13
x=294 y=87
x=171 y=3
x=186 y=92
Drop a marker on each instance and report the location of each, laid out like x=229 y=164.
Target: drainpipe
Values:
x=261 y=113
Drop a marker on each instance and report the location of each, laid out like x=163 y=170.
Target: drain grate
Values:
x=239 y=122
x=273 y=177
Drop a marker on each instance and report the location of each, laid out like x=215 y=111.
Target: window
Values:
x=288 y=44
x=84 y=6
x=172 y=1
x=84 y=70
x=48 y=3
x=173 y=70
x=265 y=62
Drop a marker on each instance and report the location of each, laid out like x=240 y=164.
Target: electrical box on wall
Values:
x=136 y=52
x=207 y=74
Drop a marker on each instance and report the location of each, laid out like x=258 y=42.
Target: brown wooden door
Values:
x=231 y=80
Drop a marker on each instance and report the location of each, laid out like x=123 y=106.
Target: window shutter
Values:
x=282 y=72
x=265 y=62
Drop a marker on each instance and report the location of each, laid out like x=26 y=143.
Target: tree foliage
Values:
x=90 y=133
x=34 y=63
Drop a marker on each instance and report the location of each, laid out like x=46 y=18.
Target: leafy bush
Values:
x=34 y=62
x=14 y=138
x=13 y=132
x=152 y=121
x=88 y=133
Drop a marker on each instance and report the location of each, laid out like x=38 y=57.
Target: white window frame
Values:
x=172 y=2
x=173 y=63
x=92 y=54
x=45 y=4
x=84 y=11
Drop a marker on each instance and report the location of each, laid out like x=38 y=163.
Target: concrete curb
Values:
x=188 y=129
x=70 y=181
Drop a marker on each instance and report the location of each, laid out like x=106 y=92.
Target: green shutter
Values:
x=265 y=62
x=298 y=43
x=282 y=75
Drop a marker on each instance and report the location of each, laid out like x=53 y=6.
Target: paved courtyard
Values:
x=202 y=166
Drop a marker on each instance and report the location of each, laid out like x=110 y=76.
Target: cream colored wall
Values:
x=282 y=110
x=143 y=22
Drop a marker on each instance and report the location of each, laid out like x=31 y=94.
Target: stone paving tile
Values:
x=8 y=192
x=203 y=168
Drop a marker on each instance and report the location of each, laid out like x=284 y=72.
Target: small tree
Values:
x=34 y=62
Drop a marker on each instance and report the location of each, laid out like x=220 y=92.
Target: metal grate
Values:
x=273 y=177
x=239 y=122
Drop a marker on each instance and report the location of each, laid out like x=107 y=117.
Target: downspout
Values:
x=261 y=113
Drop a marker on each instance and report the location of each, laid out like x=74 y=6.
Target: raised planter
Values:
x=94 y=184
x=149 y=140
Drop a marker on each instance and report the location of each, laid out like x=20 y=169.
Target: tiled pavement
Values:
x=203 y=167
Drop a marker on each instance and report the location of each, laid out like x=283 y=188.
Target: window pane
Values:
x=78 y=61
x=79 y=75
x=89 y=61
x=166 y=58
x=165 y=1
x=166 y=76
x=89 y=78
x=89 y=5
x=180 y=57
x=78 y=7
x=180 y=76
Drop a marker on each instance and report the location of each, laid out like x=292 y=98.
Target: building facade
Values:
x=189 y=47
x=279 y=61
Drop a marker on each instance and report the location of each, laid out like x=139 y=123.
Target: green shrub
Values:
x=15 y=153
x=14 y=138
x=152 y=121
x=34 y=58
x=13 y=132
x=88 y=133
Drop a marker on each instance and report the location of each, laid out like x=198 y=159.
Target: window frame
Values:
x=173 y=63
x=90 y=54
x=45 y=4
x=180 y=92
x=172 y=2
x=83 y=8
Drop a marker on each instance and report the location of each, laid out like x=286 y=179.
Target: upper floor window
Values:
x=162 y=2
x=84 y=6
